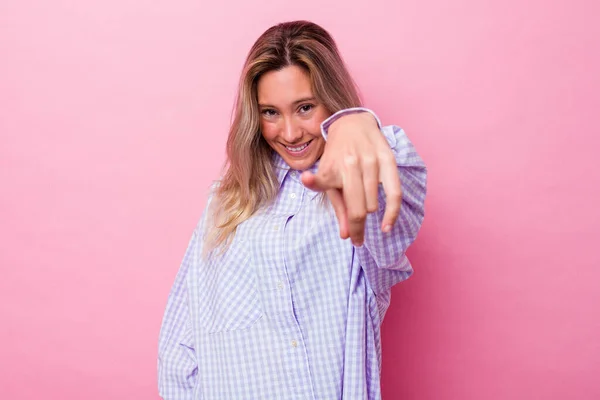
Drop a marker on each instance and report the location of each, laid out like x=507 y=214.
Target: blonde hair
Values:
x=250 y=182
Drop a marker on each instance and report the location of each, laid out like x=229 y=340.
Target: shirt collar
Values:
x=282 y=169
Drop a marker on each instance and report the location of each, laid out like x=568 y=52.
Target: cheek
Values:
x=268 y=130
x=321 y=116
x=313 y=126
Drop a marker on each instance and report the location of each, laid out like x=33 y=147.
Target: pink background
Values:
x=113 y=118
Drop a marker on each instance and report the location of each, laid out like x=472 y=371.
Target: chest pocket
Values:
x=226 y=290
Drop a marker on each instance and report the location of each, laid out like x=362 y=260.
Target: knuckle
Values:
x=372 y=208
x=356 y=217
x=387 y=157
x=394 y=195
x=371 y=182
x=350 y=160
x=325 y=174
x=392 y=218
x=369 y=161
x=393 y=209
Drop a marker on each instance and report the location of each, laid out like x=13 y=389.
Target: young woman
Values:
x=272 y=301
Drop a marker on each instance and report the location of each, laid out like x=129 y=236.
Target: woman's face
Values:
x=290 y=116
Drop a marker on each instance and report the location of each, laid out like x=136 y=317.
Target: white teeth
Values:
x=296 y=149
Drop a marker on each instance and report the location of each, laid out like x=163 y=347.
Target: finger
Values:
x=337 y=201
x=354 y=198
x=370 y=176
x=318 y=182
x=390 y=179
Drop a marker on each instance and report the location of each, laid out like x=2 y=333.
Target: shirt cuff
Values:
x=355 y=110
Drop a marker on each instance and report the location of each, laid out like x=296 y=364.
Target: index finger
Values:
x=318 y=182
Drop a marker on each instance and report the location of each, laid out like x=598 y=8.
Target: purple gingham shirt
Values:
x=290 y=310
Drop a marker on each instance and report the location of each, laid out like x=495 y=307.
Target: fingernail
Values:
x=387 y=228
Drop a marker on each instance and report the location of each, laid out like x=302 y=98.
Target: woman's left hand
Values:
x=357 y=157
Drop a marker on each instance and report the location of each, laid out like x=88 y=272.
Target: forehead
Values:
x=284 y=86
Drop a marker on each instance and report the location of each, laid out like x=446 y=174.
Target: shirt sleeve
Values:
x=382 y=256
x=354 y=110
x=177 y=363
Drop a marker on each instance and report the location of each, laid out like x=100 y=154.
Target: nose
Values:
x=291 y=131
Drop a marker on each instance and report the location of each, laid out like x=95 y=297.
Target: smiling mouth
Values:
x=297 y=149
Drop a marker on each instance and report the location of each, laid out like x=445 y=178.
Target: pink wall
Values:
x=113 y=117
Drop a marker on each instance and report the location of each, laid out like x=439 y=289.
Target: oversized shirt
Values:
x=290 y=311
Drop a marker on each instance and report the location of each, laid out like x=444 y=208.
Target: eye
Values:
x=267 y=112
x=305 y=108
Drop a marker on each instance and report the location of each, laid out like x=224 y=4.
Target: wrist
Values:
x=325 y=125
x=359 y=119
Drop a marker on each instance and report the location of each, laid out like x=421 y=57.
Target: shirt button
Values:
x=279 y=285
x=293 y=196
x=276 y=228
x=294 y=343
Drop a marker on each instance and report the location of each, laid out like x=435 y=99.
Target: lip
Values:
x=300 y=153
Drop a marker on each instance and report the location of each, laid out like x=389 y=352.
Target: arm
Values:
x=177 y=357
x=378 y=198
x=177 y=364
x=383 y=254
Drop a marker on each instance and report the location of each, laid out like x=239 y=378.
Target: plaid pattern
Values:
x=290 y=311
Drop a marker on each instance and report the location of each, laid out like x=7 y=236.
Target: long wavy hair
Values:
x=249 y=181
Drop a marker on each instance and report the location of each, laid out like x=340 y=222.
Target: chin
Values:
x=301 y=165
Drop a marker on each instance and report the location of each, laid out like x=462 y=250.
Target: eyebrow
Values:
x=302 y=100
